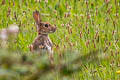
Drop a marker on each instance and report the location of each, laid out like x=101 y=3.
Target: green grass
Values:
x=87 y=40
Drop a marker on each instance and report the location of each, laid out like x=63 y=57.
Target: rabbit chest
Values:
x=43 y=43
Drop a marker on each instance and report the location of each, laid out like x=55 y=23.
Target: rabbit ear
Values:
x=36 y=16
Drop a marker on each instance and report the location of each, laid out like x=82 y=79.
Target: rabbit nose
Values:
x=55 y=27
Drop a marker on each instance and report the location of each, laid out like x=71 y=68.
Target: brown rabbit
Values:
x=42 y=41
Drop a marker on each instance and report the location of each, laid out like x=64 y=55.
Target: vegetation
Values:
x=86 y=43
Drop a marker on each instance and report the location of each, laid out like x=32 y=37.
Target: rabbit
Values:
x=42 y=41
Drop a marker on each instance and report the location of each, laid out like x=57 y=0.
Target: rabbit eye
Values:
x=46 y=25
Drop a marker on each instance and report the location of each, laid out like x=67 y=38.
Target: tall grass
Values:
x=86 y=40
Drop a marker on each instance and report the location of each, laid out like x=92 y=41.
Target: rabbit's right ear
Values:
x=36 y=16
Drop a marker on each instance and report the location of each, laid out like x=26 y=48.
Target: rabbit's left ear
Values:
x=36 y=16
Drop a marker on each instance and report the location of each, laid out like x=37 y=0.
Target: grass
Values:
x=86 y=42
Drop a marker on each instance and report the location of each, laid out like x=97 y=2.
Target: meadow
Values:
x=86 y=42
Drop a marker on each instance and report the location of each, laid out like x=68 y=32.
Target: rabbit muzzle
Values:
x=54 y=28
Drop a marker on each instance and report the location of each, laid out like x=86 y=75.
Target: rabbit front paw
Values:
x=31 y=48
x=41 y=46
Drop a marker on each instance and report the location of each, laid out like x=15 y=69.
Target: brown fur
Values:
x=42 y=41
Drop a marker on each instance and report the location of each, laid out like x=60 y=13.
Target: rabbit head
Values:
x=43 y=27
